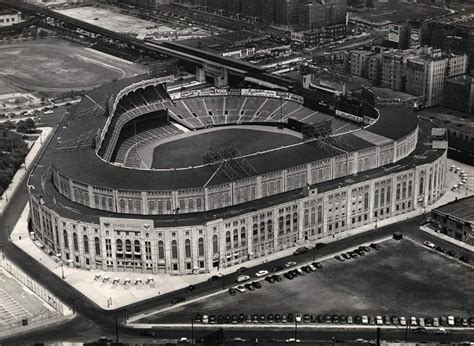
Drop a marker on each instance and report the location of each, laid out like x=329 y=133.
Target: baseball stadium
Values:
x=141 y=178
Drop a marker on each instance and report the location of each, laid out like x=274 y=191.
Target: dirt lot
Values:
x=402 y=278
x=59 y=64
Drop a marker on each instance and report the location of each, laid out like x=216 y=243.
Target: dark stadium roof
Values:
x=461 y=208
x=83 y=165
x=53 y=199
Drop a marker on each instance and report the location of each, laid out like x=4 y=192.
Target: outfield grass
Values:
x=402 y=278
x=188 y=151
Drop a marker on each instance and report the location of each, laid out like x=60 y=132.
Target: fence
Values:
x=60 y=309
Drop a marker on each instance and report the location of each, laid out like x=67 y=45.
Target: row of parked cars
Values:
x=451 y=253
x=417 y=324
x=360 y=251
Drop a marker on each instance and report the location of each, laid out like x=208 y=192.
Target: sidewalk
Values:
x=451 y=240
x=45 y=132
x=112 y=296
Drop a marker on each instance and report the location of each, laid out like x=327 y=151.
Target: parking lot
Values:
x=402 y=278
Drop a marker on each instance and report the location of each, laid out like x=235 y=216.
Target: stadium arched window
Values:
x=122 y=205
x=75 y=242
x=187 y=248
x=86 y=244
x=138 y=206
x=404 y=190
x=320 y=214
x=306 y=218
x=128 y=245
x=313 y=216
x=389 y=194
x=161 y=250
x=119 y=245
x=66 y=240
x=174 y=249
x=236 y=238
x=398 y=192
x=435 y=178
x=198 y=204
x=366 y=201
x=421 y=188
x=243 y=236
x=201 y=247
x=97 y=246
x=137 y=245
x=215 y=244
x=280 y=225
x=151 y=207
x=269 y=227
x=376 y=199
x=255 y=233
x=382 y=196
x=228 y=243
x=262 y=231
x=410 y=188
x=288 y=223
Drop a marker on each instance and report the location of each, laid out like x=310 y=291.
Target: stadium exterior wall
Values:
x=141 y=245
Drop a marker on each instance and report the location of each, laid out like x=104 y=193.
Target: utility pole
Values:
x=116 y=329
x=192 y=331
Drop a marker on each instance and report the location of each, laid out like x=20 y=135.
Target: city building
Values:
x=459 y=93
x=8 y=18
x=98 y=206
x=426 y=74
x=315 y=37
x=455 y=219
x=318 y=13
x=394 y=68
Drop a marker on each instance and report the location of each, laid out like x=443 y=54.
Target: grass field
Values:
x=402 y=278
x=397 y=11
x=188 y=151
x=59 y=64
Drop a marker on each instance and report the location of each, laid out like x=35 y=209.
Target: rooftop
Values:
x=461 y=208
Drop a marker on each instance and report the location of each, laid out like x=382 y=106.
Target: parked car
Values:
x=451 y=253
x=339 y=258
x=345 y=256
x=450 y=321
x=371 y=320
x=395 y=320
x=317 y=265
x=379 y=320
x=429 y=244
x=242 y=278
x=270 y=318
x=440 y=331
x=242 y=270
x=291 y=318
x=403 y=321
x=375 y=246
x=214 y=278
x=358 y=319
x=205 y=319
x=440 y=249
x=365 y=319
x=277 y=278
x=249 y=287
x=428 y=321
x=435 y=322
x=298 y=317
x=471 y=322
x=277 y=318
x=443 y=321
x=220 y=319
x=413 y=321
x=350 y=319
x=287 y=275
x=306 y=318
x=212 y=319
x=241 y=289
x=290 y=264
x=319 y=245
x=306 y=269
x=232 y=291
x=419 y=330
x=386 y=320
x=301 y=250
x=190 y=288
x=256 y=284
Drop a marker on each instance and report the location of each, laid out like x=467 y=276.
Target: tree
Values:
x=30 y=125
x=21 y=127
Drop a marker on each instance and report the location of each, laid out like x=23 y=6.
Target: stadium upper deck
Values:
x=82 y=152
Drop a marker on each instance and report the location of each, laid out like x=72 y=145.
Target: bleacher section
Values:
x=136 y=134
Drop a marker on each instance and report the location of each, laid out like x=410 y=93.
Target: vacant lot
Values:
x=114 y=21
x=58 y=64
x=188 y=151
x=396 y=11
x=402 y=278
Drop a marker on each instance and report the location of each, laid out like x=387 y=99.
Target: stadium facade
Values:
x=101 y=199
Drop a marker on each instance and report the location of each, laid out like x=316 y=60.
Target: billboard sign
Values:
x=394 y=33
x=415 y=38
